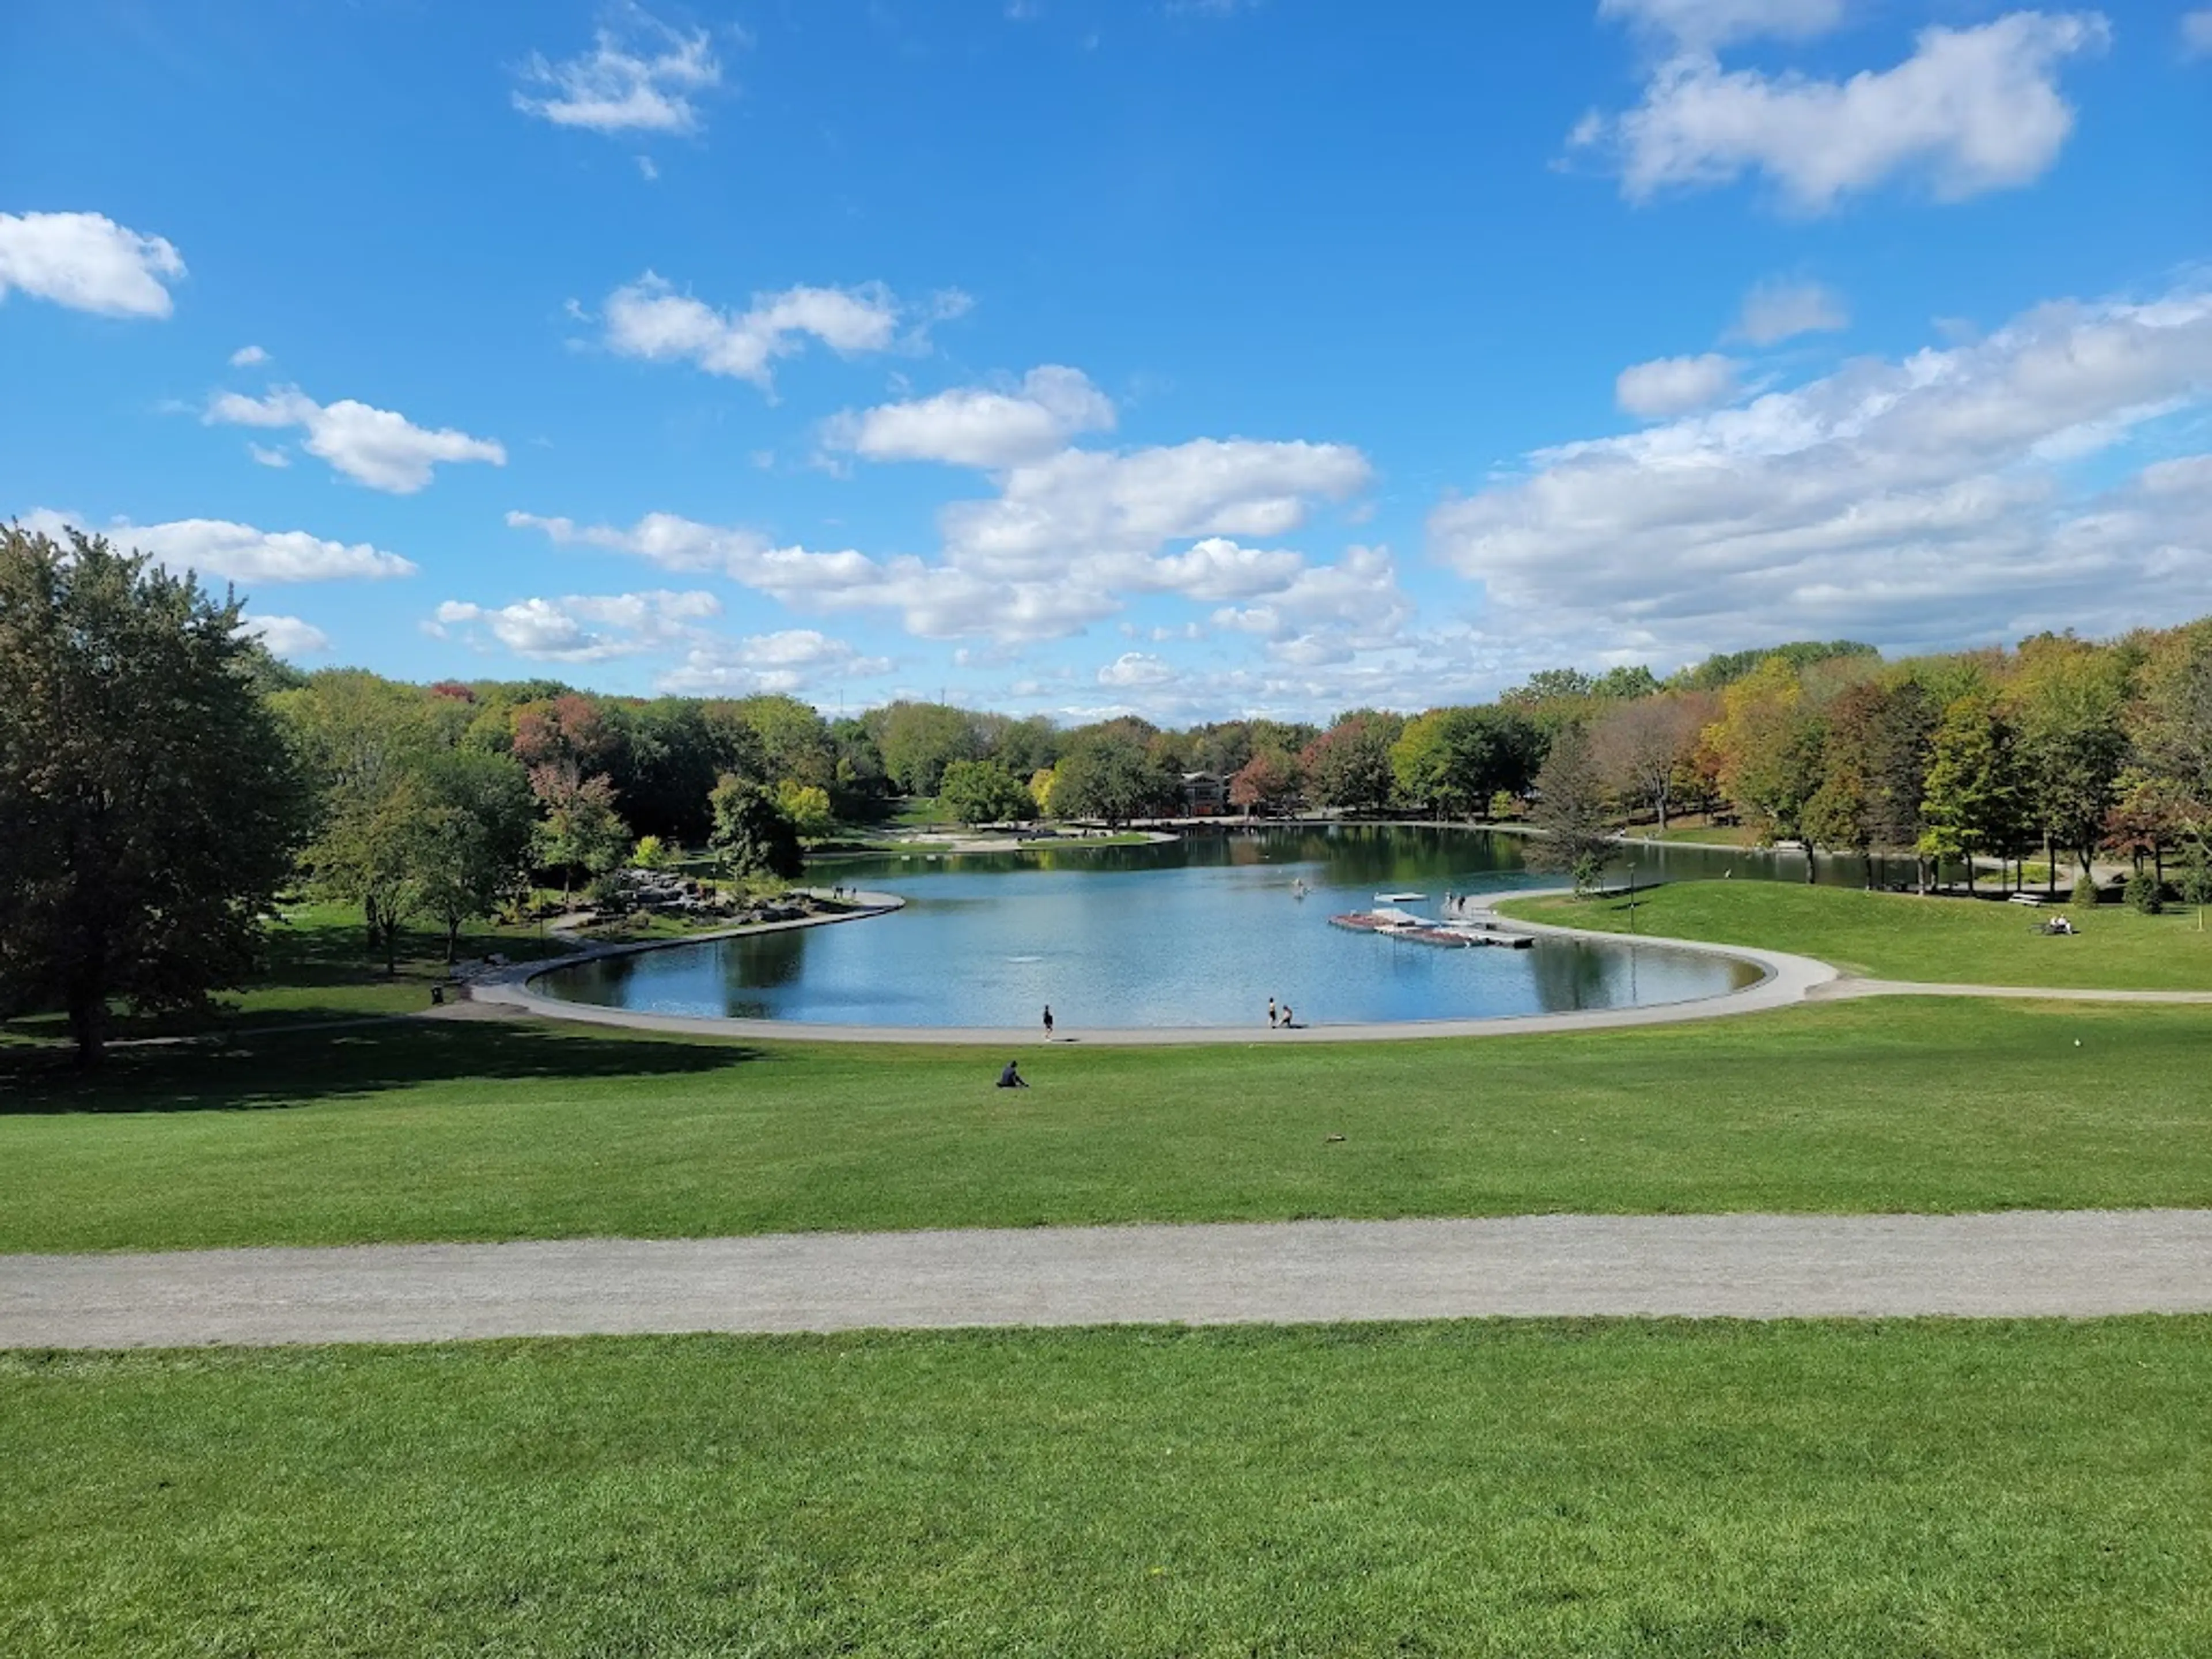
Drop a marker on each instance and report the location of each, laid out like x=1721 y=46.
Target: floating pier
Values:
x=1393 y=923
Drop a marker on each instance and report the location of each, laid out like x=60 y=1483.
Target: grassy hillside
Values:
x=426 y=1130
x=1904 y=936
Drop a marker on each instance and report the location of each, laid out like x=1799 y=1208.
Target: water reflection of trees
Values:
x=1569 y=976
x=764 y=962
x=1353 y=854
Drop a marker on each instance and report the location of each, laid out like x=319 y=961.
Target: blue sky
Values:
x=1197 y=359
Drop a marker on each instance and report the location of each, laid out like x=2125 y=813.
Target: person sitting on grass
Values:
x=1010 y=1079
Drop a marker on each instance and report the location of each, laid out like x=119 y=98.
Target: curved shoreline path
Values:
x=2021 y=1264
x=1784 y=980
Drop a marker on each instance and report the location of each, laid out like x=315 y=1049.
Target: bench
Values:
x=2034 y=900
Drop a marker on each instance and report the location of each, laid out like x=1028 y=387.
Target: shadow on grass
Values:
x=318 y=971
x=277 y=1069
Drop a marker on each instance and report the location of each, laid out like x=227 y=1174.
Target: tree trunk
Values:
x=1662 y=814
x=1970 y=872
x=2050 y=867
x=391 y=947
x=453 y=938
x=88 y=1018
x=1811 y=875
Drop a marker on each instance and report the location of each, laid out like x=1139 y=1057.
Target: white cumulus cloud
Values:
x=639 y=76
x=247 y=355
x=1057 y=548
x=1133 y=668
x=649 y=318
x=2197 y=33
x=979 y=426
x=1329 y=612
x=1217 y=569
x=236 y=552
x=378 y=448
x=583 y=628
x=789 y=661
x=87 y=262
x=1675 y=386
x=1919 y=502
x=1972 y=109
x=286 y=637
x=1083 y=502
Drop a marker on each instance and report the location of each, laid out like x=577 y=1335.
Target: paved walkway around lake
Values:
x=2019 y=1264
x=1844 y=986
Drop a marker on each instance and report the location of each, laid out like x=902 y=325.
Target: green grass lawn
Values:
x=482 y=1130
x=1654 y=1490
x=1903 y=935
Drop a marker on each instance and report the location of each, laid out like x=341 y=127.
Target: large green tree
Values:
x=582 y=829
x=362 y=738
x=1873 y=770
x=1972 y=807
x=470 y=839
x=1108 y=772
x=918 y=740
x=1769 y=741
x=149 y=804
x=2067 y=707
x=1455 y=760
x=751 y=836
x=984 y=791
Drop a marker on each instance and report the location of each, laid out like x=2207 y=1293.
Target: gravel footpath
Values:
x=2023 y=1263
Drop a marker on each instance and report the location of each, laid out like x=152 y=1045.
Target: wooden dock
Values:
x=1403 y=925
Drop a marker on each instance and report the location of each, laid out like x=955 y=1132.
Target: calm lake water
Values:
x=1200 y=932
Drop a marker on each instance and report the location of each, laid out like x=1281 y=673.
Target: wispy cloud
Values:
x=641 y=75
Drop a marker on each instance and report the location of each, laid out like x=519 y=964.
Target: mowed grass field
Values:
x=414 y=1130
x=1921 y=1489
x=1904 y=936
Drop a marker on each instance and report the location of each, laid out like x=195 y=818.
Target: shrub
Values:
x=650 y=854
x=2142 y=893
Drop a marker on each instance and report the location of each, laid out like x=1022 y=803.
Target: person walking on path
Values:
x=1271 y=1013
x=1048 y=1022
